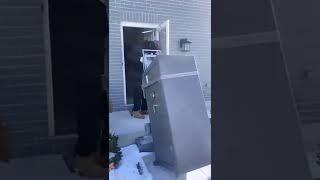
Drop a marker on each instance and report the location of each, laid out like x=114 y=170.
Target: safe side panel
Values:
x=160 y=127
x=189 y=121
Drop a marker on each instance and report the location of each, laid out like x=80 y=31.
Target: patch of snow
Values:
x=127 y=169
x=208 y=106
x=160 y=173
x=111 y=155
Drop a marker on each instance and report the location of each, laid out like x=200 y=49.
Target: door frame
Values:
x=136 y=25
x=166 y=25
x=48 y=62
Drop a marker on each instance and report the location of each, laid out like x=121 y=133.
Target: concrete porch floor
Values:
x=49 y=167
x=128 y=170
x=126 y=127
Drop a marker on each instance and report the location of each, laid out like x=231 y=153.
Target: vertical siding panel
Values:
x=23 y=103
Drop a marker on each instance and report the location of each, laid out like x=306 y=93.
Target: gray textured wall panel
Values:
x=20 y=3
x=23 y=98
x=299 y=31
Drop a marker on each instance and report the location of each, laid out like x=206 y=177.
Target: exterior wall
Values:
x=252 y=99
x=299 y=32
x=188 y=19
x=23 y=98
x=300 y=41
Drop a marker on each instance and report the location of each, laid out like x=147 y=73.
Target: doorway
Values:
x=77 y=40
x=131 y=33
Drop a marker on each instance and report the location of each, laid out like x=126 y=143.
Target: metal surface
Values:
x=179 y=122
x=145 y=143
x=148 y=56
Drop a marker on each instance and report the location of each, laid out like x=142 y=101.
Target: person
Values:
x=89 y=117
x=134 y=70
x=140 y=108
x=90 y=110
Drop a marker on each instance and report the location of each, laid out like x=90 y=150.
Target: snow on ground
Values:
x=128 y=170
x=160 y=173
x=208 y=106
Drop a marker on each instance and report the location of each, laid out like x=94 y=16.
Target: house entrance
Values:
x=77 y=49
x=134 y=35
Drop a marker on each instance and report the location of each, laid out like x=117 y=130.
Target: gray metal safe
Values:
x=180 y=126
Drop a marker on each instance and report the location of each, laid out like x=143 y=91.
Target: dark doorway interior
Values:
x=133 y=66
x=76 y=33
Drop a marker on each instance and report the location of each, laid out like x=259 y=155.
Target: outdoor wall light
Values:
x=185 y=45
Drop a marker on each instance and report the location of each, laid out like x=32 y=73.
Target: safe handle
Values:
x=154 y=107
x=153 y=95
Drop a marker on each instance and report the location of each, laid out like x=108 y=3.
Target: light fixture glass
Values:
x=185 y=45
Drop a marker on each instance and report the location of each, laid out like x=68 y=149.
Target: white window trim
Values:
x=48 y=61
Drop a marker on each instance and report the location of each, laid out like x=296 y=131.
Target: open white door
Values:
x=163 y=37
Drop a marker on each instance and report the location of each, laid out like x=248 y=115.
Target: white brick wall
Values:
x=188 y=19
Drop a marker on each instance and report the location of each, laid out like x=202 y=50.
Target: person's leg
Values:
x=144 y=107
x=137 y=104
x=88 y=64
x=136 y=100
x=89 y=118
x=88 y=136
x=103 y=141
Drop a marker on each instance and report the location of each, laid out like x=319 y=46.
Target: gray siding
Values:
x=299 y=30
x=23 y=99
x=188 y=19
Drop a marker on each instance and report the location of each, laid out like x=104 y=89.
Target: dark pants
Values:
x=105 y=105
x=139 y=102
x=90 y=114
x=79 y=35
